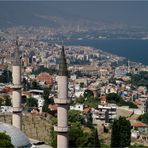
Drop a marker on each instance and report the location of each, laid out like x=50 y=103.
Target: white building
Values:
x=78 y=107
x=105 y=113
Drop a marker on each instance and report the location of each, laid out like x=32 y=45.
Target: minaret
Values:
x=16 y=85
x=128 y=66
x=62 y=101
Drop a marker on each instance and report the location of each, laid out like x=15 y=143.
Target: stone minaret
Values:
x=62 y=101
x=16 y=85
x=128 y=66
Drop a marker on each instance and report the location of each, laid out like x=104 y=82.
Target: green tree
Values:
x=79 y=137
x=113 y=97
x=7 y=101
x=26 y=85
x=75 y=133
x=88 y=93
x=81 y=85
x=140 y=79
x=47 y=101
x=32 y=102
x=74 y=115
x=53 y=134
x=144 y=118
x=6 y=76
x=46 y=93
x=5 y=141
x=1 y=101
x=35 y=85
x=121 y=133
x=97 y=143
x=92 y=102
x=80 y=100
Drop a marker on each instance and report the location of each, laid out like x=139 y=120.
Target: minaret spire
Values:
x=62 y=101
x=16 y=60
x=63 y=65
x=16 y=85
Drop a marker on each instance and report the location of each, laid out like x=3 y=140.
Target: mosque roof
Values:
x=18 y=138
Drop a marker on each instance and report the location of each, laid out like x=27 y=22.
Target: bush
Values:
x=5 y=141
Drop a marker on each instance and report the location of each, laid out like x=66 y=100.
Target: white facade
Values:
x=101 y=112
x=78 y=107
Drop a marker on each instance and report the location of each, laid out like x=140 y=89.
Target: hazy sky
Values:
x=133 y=12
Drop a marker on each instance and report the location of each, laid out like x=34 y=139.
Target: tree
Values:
x=140 y=79
x=121 y=133
x=81 y=85
x=26 y=84
x=79 y=137
x=6 y=76
x=74 y=134
x=47 y=101
x=74 y=115
x=144 y=118
x=5 y=141
x=1 y=100
x=53 y=134
x=32 y=102
x=113 y=97
x=35 y=85
x=8 y=101
x=88 y=93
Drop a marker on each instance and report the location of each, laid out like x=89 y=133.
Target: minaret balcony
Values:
x=61 y=101
x=14 y=86
x=61 y=129
x=17 y=110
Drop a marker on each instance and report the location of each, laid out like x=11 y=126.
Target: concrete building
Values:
x=16 y=86
x=106 y=113
x=62 y=101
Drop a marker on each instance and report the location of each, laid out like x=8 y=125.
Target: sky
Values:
x=126 y=12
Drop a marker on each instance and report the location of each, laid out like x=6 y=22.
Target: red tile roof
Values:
x=44 y=77
x=139 y=124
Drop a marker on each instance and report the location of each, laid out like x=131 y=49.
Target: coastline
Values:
x=134 y=50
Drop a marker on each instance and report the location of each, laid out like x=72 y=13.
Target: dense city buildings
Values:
x=51 y=90
x=99 y=84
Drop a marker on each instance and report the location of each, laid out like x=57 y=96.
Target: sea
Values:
x=133 y=49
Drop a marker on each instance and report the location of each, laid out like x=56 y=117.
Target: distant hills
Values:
x=57 y=14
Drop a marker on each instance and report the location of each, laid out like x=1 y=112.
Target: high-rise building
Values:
x=62 y=101
x=16 y=85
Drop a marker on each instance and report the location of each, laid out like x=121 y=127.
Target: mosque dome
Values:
x=18 y=138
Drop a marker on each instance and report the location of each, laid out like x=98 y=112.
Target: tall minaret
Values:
x=16 y=85
x=128 y=66
x=62 y=101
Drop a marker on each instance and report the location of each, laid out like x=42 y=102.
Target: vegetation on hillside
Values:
x=121 y=133
x=115 y=98
x=44 y=69
x=82 y=133
x=140 y=79
x=88 y=99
